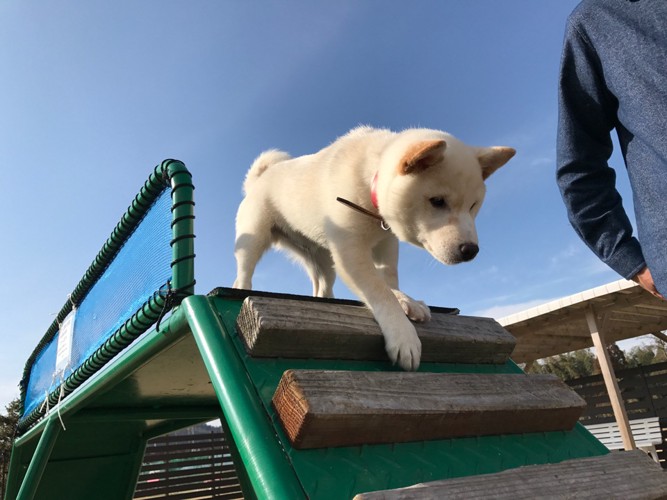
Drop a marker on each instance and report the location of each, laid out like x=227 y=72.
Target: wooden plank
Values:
x=273 y=327
x=323 y=408
x=629 y=475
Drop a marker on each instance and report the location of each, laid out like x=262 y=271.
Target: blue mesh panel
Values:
x=141 y=267
x=41 y=376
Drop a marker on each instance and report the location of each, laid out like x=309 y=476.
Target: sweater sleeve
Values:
x=587 y=114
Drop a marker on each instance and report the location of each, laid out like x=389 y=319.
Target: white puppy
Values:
x=424 y=185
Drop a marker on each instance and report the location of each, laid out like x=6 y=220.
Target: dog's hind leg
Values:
x=325 y=275
x=253 y=238
x=314 y=259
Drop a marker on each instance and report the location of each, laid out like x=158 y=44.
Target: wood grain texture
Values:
x=272 y=327
x=326 y=408
x=628 y=475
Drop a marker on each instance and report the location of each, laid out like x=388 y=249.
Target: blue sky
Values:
x=94 y=94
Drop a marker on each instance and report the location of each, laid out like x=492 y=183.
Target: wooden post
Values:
x=610 y=380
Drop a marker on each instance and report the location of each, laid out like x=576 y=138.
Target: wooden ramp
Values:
x=312 y=407
x=332 y=408
x=329 y=409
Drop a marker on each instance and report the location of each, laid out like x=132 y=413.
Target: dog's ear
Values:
x=491 y=159
x=422 y=155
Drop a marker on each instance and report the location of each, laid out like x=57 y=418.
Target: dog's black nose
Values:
x=468 y=251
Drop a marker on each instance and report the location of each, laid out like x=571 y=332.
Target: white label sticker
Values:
x=65 y=334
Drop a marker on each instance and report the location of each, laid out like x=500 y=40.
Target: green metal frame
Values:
x=195 y=369
x=168 y=174
x=241 y=392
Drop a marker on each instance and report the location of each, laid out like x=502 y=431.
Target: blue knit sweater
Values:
x=614 y=76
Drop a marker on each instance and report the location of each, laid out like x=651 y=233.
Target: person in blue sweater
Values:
x=614 y=76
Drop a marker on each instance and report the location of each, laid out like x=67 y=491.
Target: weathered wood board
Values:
x=325 y=408
x=630 y=475
x=286 y=328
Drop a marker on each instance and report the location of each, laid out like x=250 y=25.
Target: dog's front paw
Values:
x=404 y=348
x=416 y=310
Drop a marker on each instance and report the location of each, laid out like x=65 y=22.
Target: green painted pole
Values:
x=13 y=473
x=183 y=250
x=267 y=466
x=39 y=460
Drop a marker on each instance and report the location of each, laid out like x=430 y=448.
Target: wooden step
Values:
x=630 y=475
x=325 y=408
x=274 y=327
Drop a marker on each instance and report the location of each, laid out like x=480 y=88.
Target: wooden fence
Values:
x=644 y=391
x=191 y=466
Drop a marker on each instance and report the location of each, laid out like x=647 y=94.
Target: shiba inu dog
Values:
x=344 y=209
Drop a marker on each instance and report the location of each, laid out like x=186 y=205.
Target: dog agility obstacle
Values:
x=310 y=404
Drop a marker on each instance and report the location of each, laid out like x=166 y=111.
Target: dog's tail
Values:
x=261 y=163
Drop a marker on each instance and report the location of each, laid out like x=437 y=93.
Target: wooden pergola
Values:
x=593 y=318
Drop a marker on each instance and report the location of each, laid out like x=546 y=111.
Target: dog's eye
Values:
x=473 y=206
x=438 y=202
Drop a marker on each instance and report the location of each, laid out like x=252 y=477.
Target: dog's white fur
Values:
x=430 y=187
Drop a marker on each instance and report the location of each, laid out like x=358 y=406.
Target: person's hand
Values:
x=645 y=280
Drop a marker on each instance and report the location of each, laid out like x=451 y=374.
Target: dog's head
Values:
x=432 y=190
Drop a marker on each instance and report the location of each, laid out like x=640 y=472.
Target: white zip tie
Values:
x=46 y=394
x=60 y=397
x=45 y=402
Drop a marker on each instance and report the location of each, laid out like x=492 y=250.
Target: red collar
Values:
x=374 y=193
x=374 y=200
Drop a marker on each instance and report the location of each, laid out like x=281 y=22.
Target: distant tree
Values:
x=617 y=358
x=583 y=363
x=642 y=355
x=7 y=429
x=647 y=354
x=567 y=366
x=8 y=423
